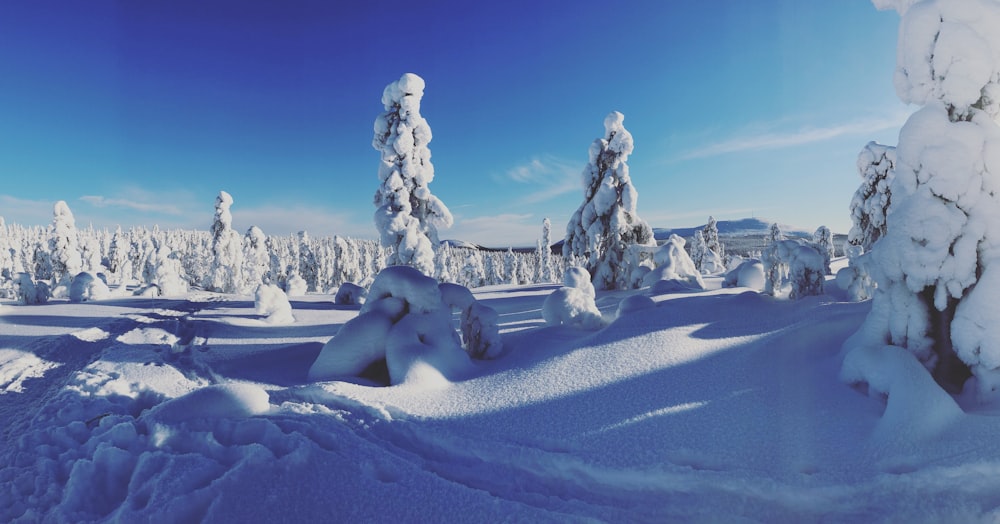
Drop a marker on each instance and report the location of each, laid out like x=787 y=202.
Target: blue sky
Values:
x=138 y=113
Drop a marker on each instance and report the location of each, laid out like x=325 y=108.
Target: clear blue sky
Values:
x=138 y=113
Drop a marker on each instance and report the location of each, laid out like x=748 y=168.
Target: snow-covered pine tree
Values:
x=408 y=215
x=876 y=165
x=511 y=267
x=774 y=234
x=606 y=224
x=823 y=239
x=256 y=259
x=227 y=250
x=545 y=272
x=64 y=245
x=698 y=249
x=307 y=262
x=711 y=233
x=936 y=266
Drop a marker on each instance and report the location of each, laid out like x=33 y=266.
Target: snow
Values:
x=716 y=405
x=271 y=302
x=87 y=286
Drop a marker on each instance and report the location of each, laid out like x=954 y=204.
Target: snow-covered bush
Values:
x=855 y=279
x=698 y=248
x=87 y=286
x=797 y=263
x=408 y=215
x=711 y=234
x=876 y=165
x=29 y=292
x=674 y=265
x=606 y=224
x=271 y=302
x=750 y=273
x=935 y=265
x=573 y=304
x=167 y=272
x=256 y=260
x=350 y=294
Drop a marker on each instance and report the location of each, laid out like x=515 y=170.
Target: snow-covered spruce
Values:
x=674 y=268
x=573 y=304
x=711 y=234
x=29 y=292
x=823 y=241
x=408 y=215
x=606 y=224
x=935 y=266
x=406 y=321
x=272 y=303
x=64 y=249
x=227 y=249
x=876 y=165
x=544 y=272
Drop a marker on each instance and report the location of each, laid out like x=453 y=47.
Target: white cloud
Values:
x=26 y=212
x=499 y=231
x=145 y=207
x=552 y=176
x=751 y=140
x=286 y=220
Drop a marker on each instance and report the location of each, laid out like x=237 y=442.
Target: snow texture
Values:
x=606 y=225
x=350 y=294
x=408 y=216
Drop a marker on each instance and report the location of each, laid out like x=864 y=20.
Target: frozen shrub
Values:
x=573 y=304
x=673 y=264
x=30 y=292
x=87 y=286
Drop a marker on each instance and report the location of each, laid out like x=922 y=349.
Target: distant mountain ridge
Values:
x=743 y=227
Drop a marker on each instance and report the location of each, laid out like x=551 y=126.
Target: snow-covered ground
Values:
x=720 y=405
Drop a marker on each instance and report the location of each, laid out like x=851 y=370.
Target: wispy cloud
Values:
x=284 y=220
x=503 y=230
x=761 y=141
x=551 y=176
x=26 y=212
x=135 y=205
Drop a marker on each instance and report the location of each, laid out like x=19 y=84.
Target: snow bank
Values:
x=634 y=303
x=212 y=402
x=749 y=273
x=271 y=302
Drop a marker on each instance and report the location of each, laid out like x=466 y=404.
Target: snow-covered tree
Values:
x=774 y=234
x=876 y=165
x=227 y=250
x=823 y=239
x=510 y=267
x=64 y=245
x=256 y=260
x=408 y=215
x=606 y=224
x=711 y=234
x=936 y=265
x=308 y=269
x=698 y=249
x=544 y=272
x=473 y=273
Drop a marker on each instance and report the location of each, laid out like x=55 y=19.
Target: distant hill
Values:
x=744 y=227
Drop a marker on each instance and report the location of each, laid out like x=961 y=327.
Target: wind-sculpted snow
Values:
x=722 y=405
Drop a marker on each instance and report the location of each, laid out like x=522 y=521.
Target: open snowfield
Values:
x=722 y=405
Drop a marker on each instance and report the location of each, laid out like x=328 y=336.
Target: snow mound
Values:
x=212 y=402
x=87 y=286
x=573 y=304
x=674 y=264
x=634 y=303
x=350 y=294
x=271 y=302
x=750 y=273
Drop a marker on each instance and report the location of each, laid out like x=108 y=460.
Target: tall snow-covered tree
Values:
x=307 y=262
x=937 y=264
x=876 y=165
x=823 y=240
x=711 y=234
x=227 y=250
x=256 y=259
x=64 y=244
x=606 y=224
x=698 y=249
x=408 y=216
x=544 y=272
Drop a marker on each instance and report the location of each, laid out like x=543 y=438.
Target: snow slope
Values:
x=722 y=405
